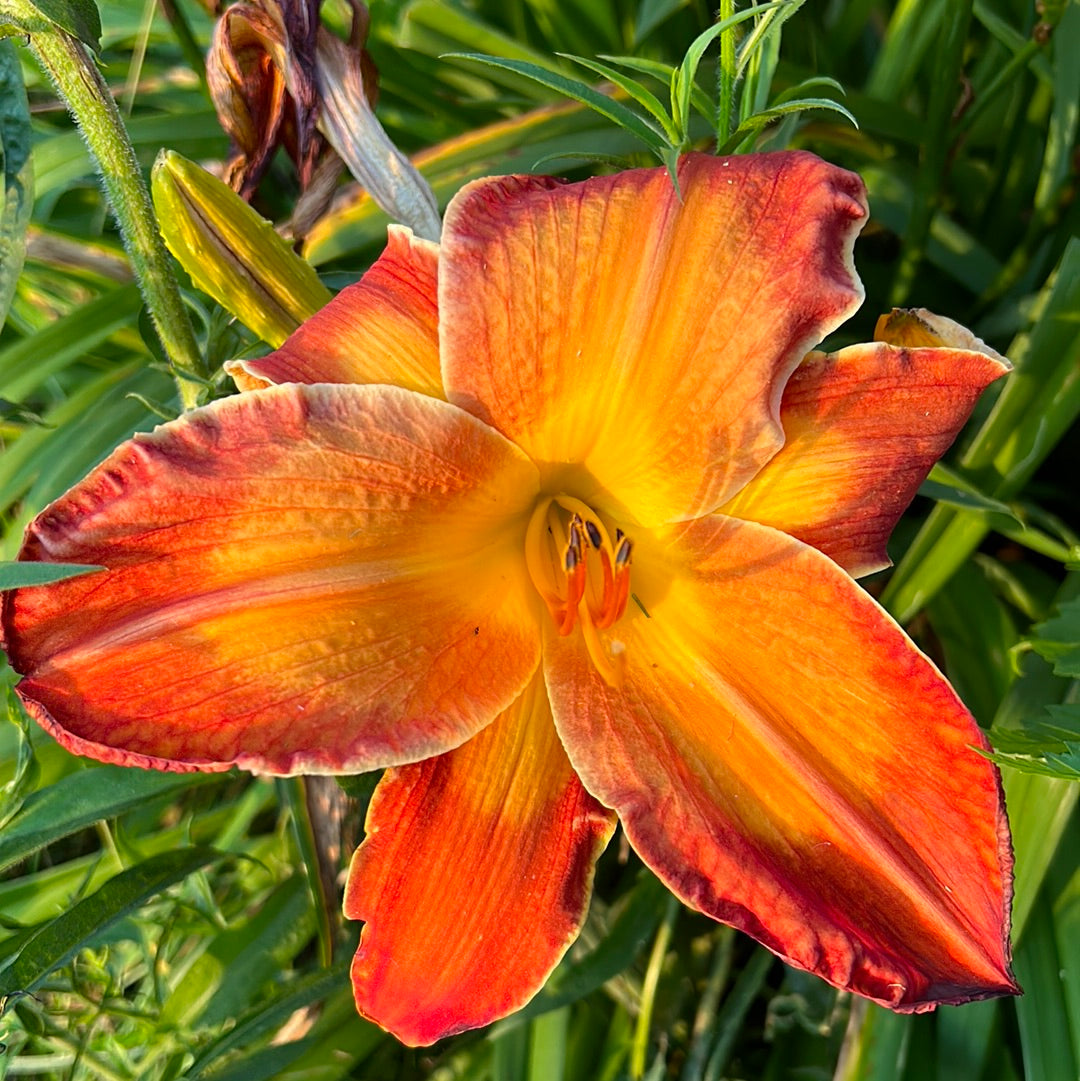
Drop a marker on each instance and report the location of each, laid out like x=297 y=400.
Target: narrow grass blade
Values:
x=1041 y=1011
x=268 y=1017
x=18 y=575
x=875 y=1046
x=81 y=799
x=576 y=977
x=57 y=942
x=645 y=98
x=649 y=134
x=27 y=364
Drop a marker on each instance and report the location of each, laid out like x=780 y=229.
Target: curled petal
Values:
x=474 y=877
x=353 y=130
x=641 y=333
x=318 y=579
x=787 y=761
x=862 y=428
x=915 y=327
x=382 y=329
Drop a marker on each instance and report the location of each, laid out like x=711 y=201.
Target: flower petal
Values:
x=474 y=877
x=862 y=427
x=788 y=762
x=382 y=329
x=638 y=339
x=318 y=579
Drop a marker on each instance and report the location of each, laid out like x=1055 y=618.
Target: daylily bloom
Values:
x=559 y=520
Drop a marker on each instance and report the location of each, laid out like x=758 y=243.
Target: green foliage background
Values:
x=161 y=926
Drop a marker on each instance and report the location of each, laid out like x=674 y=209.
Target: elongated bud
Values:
x=231 y=252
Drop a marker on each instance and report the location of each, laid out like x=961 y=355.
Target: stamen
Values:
x=622 y=576
x=575 y=581
x=582 y=577
x=541 y=571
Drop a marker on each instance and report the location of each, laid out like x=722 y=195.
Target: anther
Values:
x=582 y=576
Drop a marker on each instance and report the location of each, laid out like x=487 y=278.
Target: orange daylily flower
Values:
x=559 y=520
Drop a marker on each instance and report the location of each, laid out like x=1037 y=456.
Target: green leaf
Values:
x=1065 y=118
x=269 y=1016
x=58 y=941
x=1058 y=640
x=243 y=958
x=663 y=74
x=615 y=111
x=756 y=123
x=645 y=98
x=16 y=198
x=25 y=769
x=1041 y=1012
x=83 y=798
x=686 y=73
x=577 y=976
x=82 y=429
x=79 y=18
x=945 y=485
x=26 y=364
x=651 y=13
x=976 y=633
x=876 y=1046
x=17 y=575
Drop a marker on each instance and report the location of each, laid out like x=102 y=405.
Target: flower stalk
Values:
x=86 y=95
x=725 y=75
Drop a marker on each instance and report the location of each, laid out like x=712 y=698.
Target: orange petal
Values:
x=862 y=427
x=319 y=579
x=474 y=877
x=636 y=342
x=382 y=329
x=786 y=760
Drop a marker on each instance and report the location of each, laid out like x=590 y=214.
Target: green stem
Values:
x=640 y=1045
x=725 y=104
x=79 y=83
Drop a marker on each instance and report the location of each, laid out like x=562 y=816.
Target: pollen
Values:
x=582 y=572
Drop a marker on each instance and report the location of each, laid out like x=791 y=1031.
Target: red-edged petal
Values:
x=635 y=339
x=382 y=329
x=862 y=428
x=787 y=761
x=319 y=579
x=474 y=877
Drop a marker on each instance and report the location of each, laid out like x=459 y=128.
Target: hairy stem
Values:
x=79 y=83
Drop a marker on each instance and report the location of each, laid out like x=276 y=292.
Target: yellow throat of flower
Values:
x=582 y=573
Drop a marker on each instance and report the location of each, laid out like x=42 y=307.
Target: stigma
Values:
x=582 y=572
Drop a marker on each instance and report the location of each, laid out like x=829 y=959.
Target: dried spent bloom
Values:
x=559 y=520
x=279 y=77
x=260 y=71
